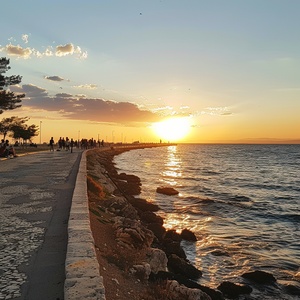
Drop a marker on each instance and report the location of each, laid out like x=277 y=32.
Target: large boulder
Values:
x=171 y=234
x=260 y=277
x=128 y=184
x=151 y=217
x=188 y=235
x=233 y=290
x=173 y=247
x=180 y=266
x=167 y=191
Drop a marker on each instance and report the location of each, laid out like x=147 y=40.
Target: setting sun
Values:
x=173 y=129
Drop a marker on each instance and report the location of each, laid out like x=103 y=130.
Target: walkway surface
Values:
x=35 y=199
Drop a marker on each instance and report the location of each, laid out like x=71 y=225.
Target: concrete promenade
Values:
x=46 y=246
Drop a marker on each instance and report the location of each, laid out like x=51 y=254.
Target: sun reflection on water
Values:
x=172 y=167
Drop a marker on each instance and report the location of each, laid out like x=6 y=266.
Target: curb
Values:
x=83 y=280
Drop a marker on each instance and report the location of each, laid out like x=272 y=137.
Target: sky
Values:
x=219 y=71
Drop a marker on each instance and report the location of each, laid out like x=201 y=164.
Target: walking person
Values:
x=51 y=144
x=72 y=145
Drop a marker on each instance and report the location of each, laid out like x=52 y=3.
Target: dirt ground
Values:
x=115 y=264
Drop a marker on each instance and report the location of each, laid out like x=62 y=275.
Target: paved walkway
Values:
x=35 y=198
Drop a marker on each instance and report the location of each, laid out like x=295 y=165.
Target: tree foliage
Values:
x=8 y=100
x=18 y=129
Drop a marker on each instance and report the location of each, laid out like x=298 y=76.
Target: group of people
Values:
x=7 y=150
x=63 y=144
x=68 y=144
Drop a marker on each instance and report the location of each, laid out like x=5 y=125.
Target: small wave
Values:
x=209 y=173
x=240 y=198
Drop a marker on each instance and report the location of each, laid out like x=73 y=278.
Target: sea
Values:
x=241 y=201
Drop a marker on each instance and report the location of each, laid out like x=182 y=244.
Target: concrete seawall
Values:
x=83 y=280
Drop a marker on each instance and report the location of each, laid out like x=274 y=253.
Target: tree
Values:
x=17 y=128
x=7 y=123
x=8 y=100
x=24 y=132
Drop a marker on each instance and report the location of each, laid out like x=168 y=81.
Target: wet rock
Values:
x=180 y=266
x=128 y=184
x=142 y=204
x=173 y=247
x=173 y=235
x=167 y=191
x=151 y=217
x=260 y=277
x=129 y=178
x=188 y=235
x=233 y=290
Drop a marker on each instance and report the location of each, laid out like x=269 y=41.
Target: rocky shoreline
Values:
x=148 y=253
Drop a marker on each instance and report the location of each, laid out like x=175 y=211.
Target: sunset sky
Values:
x=228 y=71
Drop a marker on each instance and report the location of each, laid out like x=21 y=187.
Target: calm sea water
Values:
x=242 y=202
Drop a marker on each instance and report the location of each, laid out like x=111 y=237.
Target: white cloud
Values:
x=28 y=52
x=70 y=49
x=217 y=111
x=86 y=86
x=25 y=38
x=67 y=49
x=17 y=51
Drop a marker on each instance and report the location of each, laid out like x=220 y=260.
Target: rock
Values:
x=157 y=260
x=167 y=191
x=173 y=235
x=181 y=292
x=128 y=184
x=188 y=235
x=151 y=217
x=260 y=277
x=132 y=233
x=233 y=290
x=162 y=276
x=218 y=252
x=142 y=204
x=157 y=229
x=142 y=271
x=178 y=265
x=120 y=207
x=173 y=247
x=129 y=178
